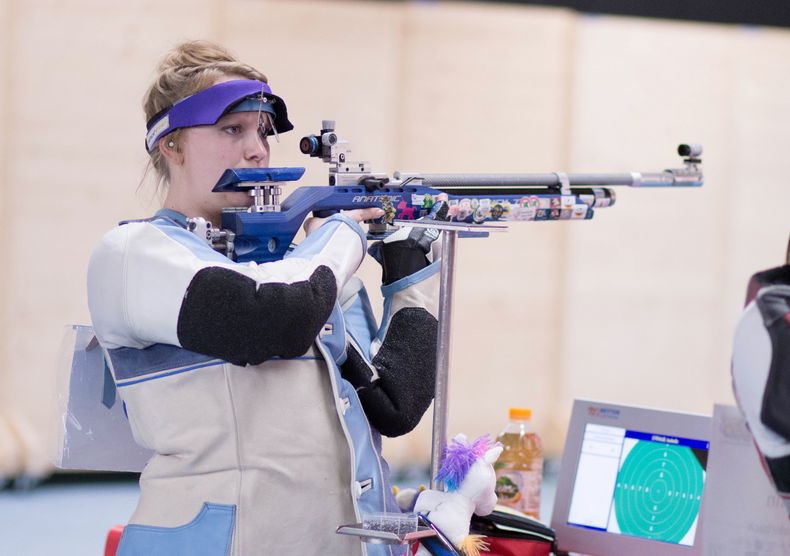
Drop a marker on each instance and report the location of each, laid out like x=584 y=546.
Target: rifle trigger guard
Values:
x=565 y=183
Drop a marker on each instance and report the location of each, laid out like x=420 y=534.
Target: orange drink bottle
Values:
x=519 y=469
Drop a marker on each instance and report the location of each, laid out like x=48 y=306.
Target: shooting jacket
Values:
x=269 y=453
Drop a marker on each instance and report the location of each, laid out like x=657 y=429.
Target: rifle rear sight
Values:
x=328 y=147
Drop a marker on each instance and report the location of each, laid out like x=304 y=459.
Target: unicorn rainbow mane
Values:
x=458 y=457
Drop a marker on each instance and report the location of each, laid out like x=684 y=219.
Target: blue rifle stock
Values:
x=265 y=231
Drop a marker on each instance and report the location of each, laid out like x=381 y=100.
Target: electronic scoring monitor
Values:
x=631 y=481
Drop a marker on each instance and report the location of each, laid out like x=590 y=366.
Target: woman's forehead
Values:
x=238 y=117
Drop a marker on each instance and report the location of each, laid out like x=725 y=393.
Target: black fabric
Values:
x=774 y=305
x=400 y=259
x=225 y=315
x=404 y=257
x=771 y=277
x=406 y=364
x=505 y=525
x=356 y=369
x=780 y=472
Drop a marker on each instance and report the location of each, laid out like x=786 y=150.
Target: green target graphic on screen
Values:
x=658 y=490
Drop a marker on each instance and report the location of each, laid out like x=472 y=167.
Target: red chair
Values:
x=113 y=539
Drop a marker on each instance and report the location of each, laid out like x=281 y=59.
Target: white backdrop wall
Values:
x=636 y=306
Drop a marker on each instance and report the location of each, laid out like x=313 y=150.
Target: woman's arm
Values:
x=393 y=369
x=153 y=283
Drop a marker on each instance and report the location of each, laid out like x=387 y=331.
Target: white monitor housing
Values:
x=631 y=481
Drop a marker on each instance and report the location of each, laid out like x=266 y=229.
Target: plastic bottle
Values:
x=519 y=470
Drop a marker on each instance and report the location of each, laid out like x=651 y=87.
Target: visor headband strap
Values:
x=202 y=108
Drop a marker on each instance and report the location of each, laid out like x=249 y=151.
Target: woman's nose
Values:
x=256 y=148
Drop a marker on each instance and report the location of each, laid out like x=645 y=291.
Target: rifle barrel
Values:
x=677 y=178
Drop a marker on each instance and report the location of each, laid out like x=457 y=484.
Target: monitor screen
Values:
x=638 y=483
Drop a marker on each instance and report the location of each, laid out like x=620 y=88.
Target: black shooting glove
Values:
x=396 y=387
x=409 y=249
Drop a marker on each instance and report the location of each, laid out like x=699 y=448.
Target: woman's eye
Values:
x=232 y=129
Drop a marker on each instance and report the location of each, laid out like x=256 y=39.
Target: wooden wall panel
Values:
x=75 y=83
x=484 y=91
x=637 y=306
x=11 y=451
x=659 y=280
x=646 y=326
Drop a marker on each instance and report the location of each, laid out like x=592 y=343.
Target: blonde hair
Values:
x=187 y=69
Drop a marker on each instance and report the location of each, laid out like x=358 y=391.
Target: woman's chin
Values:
x=237 y=200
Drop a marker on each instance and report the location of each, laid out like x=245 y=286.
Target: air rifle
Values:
x=264 y=231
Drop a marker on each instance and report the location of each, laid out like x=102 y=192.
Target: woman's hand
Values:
x=313 y=223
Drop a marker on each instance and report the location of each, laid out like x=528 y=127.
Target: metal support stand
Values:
x=440 y=409
x=449 y=236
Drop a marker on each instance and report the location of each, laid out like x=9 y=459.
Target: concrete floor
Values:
x=63 y=519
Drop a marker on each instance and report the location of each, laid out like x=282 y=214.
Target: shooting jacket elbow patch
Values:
x=356 y=369
x=779 y=469
x=226 y=315
x=406 y=364
x=774 y=305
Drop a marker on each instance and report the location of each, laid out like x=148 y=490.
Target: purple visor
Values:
x=209 y=105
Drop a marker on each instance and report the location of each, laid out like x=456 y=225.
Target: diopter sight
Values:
x=691 y=151
x=321 y=145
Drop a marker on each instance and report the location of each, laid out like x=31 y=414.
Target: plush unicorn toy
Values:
x=467 y=470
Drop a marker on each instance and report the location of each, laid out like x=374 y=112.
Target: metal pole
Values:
x=440 y=408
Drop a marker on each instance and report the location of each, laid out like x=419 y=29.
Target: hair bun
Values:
x=194 y=55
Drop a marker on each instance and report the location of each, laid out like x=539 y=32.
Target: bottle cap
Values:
x=521 y=413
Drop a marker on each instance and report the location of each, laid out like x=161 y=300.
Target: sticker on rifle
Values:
x=544 y=202
x=602 y=198
x=555 y=202
x=461 y=211
x=405 y=212
x=554 y=214
x=568 y=201
x=565 y=214
x=579 y=212
x=479 y=216
x=388 y=208
x=542 y=214
x=500 y=210
x=522 y=213
x=417 y=200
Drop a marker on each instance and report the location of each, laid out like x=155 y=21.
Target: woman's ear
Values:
x=169 y=149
